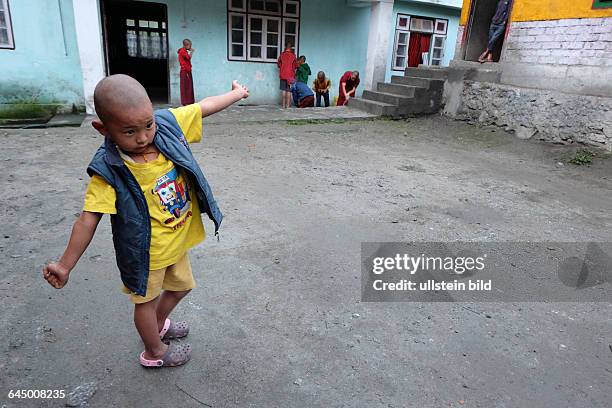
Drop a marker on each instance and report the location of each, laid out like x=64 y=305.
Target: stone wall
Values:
x=533 y=113
x=581 y=41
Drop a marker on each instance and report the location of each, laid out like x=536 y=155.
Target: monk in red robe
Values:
x=184 y=57
x=348 y=87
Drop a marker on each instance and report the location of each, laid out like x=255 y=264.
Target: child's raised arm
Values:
x=82 y=232
x=214 y=104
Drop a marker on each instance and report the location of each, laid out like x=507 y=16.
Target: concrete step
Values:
x=398 y=89
x=390 y=98
x=373 y=107
x=426 y=72
x=417 y=81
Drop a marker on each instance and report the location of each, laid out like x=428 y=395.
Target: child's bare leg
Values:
x=483 y=55
x=167 y=302
x=145 y=319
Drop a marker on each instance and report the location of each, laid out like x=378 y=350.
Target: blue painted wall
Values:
x=333 y=36
x=407 y=7
x=43 y=68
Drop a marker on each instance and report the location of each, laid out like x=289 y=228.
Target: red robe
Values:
x=350 y=85
x=187 y=95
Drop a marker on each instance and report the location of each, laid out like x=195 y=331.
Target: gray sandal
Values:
x=174 y=330
x=176 y=355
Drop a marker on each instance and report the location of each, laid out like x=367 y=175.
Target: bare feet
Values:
x=482 y=57
x=157 y=353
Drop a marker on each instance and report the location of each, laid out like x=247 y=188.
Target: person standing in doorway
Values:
x=497 y=29
x=287 y=64
x=184 y=56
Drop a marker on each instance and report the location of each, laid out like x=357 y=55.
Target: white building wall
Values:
x=378 y=42
x=89 y=39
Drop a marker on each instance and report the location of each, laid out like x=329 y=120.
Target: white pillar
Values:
x=378 y=42
x=91 y=51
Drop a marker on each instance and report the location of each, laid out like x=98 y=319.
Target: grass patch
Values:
x=27 y=111
x=582 y=157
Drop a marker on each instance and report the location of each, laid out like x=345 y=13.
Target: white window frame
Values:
x=247 y=14
x=431 y=51
x=397 y=22
x=264 y=38
x=245 y=32
x=436 y=31
x=297 y=8
x=242 y=9
x=296 y=34
x=265 y=12
x=9 y=26
x=395 y=47
x=421 y=30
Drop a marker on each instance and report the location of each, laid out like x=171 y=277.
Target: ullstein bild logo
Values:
x=486 y=272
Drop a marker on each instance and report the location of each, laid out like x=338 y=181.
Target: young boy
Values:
x=287 y=64
x=186 y=77
x=146 y=177
x=303 y=97
x=303 y=71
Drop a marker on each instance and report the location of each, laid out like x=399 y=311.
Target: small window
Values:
x=437 y=50
x=237 y=5
x=237 y=36
x=292 y=8
x=6 y=27
x=264 y=38
x=441 y=26
x=400 y=50
x=402 y=22
x=421 y=25
x=290 y=32
x=265 y=6
x=146 y=39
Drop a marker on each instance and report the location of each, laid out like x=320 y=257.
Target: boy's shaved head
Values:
x=118 y=93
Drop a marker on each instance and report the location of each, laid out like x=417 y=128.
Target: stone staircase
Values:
x=418 y=92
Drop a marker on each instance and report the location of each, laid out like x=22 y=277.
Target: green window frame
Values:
x=600 y=4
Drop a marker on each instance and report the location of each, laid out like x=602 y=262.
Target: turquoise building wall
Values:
x=424 y=10
x=333 y=36
x=44 y=69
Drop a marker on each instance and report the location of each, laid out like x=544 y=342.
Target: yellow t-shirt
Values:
x=176 y=224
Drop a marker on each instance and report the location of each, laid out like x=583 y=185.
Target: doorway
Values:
x=136 y=43
x=481 y=14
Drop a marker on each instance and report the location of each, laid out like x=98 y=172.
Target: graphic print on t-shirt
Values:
x=173 y=194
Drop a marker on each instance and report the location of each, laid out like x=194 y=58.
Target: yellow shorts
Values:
x=177 y=278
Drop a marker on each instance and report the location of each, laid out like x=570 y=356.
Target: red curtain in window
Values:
x=419 y=43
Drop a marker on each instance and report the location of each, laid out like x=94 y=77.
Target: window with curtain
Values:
x=146 y=39
x=257 y=30
x=418 y=40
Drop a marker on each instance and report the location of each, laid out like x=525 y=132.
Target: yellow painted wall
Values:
x=465 y=11
x=531 y=10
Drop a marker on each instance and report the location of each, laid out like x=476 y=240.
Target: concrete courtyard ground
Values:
x=276 y=318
